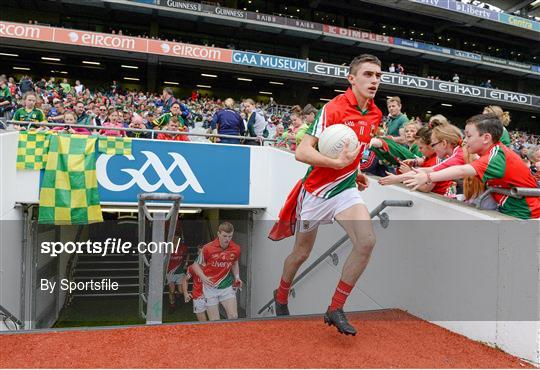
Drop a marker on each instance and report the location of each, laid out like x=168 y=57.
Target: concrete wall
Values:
x=473 y=272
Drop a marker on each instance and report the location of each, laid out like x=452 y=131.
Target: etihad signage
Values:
x=269 y=61
x=325 y=69
x=357 y=34
x=458 y=89
x=182 y=5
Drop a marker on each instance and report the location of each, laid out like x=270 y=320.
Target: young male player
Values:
x=330 y=190
x=498 y=166
x=214 y=266
x=199 y=302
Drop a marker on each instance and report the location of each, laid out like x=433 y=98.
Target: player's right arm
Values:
x=306 y=153
x=184 y=284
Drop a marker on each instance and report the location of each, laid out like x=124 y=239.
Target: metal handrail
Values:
x=8 y=315
x=512 y=192
x=127 y=129
x=375 y=212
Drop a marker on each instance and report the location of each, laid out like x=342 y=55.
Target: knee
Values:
x=300 y=256
x=365 y=245
x=233 y=316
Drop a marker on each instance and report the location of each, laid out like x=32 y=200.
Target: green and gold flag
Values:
x=32 y=150
x=69 y=190
x=114 y=145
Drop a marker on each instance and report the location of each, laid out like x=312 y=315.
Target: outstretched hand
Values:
x=390 y=179
x=415 y=179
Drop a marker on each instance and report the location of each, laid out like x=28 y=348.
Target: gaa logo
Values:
x=138 y=175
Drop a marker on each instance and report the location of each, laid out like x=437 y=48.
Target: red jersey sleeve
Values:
x=456 y=159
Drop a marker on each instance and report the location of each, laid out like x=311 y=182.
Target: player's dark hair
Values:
x=487 y=124
x=361 y=59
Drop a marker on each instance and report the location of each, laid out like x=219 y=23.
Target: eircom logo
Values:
x=164 y=174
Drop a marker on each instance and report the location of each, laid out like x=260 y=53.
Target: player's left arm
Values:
x=236 y=272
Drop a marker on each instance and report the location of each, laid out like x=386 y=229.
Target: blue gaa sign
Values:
x=202 y=173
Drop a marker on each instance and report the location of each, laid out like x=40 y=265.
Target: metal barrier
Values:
x=11 y=322
x=512 y=192
x=127 y=129
x=152 y=270
x=376 y=212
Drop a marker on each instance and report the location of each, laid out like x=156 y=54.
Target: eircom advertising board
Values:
x=203 y=174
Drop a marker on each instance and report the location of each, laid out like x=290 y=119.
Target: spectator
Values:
x=165 y=118
x=534 y=157
x=487 y=84
x=168 y=99
x=102 y=116
x=280 y=136
x=29 y=113
x=400 y=69
x=455 y=79
x=138 y=123
x=82 y=117
x=113 y=121
x=174 y=126
x=396 y=119
x=79 y=88
x=5 y=98
x=228 y=122
x=392 y=68
x=65 y=87
x=504 y=117
x=70 y=118
x=309 y=112
x=26 y=85
x=57 y=112
x=255 y=122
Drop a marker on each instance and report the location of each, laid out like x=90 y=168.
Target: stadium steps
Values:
x=120 y=268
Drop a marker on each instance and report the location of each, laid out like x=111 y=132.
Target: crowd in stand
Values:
x=400 y=145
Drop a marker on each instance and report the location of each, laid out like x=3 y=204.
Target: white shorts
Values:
x=315 y=211
x=174 y=278
x=214 y=295
x=199 y=305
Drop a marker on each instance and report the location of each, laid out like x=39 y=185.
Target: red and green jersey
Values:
x=327 y=182
x=177 y=260
x=445 y=188
x=35 y=115
x=505 y=138
x=217 y=262
x=501 y=167
x=197 y=289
